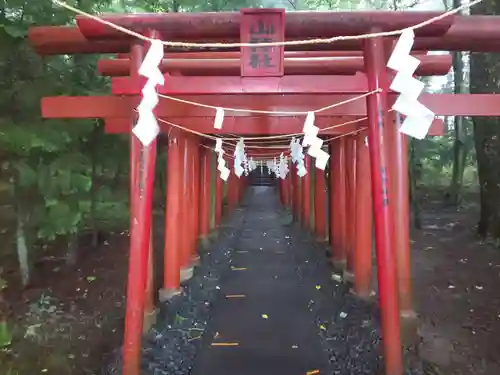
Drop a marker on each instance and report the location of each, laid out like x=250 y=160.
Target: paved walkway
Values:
x=264 y=324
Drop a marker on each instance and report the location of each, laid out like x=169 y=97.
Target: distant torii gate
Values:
x=302 y=78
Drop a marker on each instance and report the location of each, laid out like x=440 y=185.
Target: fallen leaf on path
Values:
x=336 y=277
x=235 y=296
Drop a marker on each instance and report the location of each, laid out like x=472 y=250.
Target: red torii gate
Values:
x=304 y=81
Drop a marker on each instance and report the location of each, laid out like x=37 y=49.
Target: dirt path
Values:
x=269 y=319
x=457 y=293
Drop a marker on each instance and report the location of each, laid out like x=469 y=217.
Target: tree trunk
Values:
x=21 y=242
x=71 y=253
x=412 y=177
x=485 y=73
x=94 y=144
x=459 y=151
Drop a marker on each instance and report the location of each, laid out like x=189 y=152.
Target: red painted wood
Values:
x=205 y=193
x=253 y=125
x=232 y=188
x=262 y=26
x=195 y=208
x=239 y=188
x=57 y=40
x=186 y=198
x=402 y=221
x=139 y=283
x=350 y=188
x=285 y=191
x=173 y=214
x=362 y=259
x=430 y=65
x=307 y=84
x=320 y=203
x=259 y=125
x=112 y=106
x=306 y=193
x=337 y=201
x=218 y=198
x=225 y=25
x=132 y=323
x=386 y=260
x=300 y=207
x=228 y=54
x=467 y=33
x=295 y=189
x=281 y=189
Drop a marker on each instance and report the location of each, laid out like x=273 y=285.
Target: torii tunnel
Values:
x=297 y=78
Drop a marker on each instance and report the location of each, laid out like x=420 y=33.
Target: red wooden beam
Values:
x=56 y=40
x=228 y=54
x=123 y=107
x=430 y=65
x=178 y=85
x=467 y=33
x=223 y=25
x=249 y=125
x=259 y=125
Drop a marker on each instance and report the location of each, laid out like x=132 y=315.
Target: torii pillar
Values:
x=140 y=259
x=400 y=205
x=350 y=191
x=399 y=148
x=306 y=194
x=232 y=194
x=295 y=192
x=185 y=226
x=337 y=202
x=320 y=225
x=218 y=199
x=173 y=216
x=362 y=256
x=205 y=186
x=195 y=191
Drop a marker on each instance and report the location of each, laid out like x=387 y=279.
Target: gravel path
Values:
x=264 y=302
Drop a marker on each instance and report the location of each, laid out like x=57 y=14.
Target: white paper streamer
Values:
x=240 y=158
x=221 y=163
x=219 y=118
x=147 y=129
x=315 y=143
x=418 y=117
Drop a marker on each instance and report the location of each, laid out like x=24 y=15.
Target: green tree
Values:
x=484 y=79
